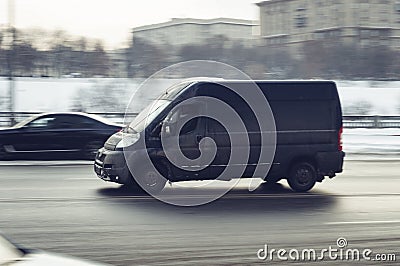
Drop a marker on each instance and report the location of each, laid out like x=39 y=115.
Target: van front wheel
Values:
x=302 y=177
x=151 y=180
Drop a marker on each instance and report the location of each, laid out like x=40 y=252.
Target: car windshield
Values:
x=8 y=252
x=146 y=116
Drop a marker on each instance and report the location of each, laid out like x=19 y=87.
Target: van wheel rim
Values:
x=303 y=176
x=151 y=179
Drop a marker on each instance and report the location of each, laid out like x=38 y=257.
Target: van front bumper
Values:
x=110 y=166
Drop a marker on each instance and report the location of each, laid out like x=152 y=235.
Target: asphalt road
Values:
x=67 y=209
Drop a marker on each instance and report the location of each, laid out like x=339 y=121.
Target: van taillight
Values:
x=340 y=142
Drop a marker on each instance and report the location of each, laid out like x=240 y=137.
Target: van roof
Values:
x=288 y=89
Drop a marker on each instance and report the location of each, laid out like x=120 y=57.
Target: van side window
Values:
x=185 y=111
x=190 y=126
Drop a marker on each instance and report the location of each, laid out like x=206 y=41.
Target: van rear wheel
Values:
x=302 y=177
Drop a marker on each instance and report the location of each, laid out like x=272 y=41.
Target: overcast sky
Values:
x=111 y=20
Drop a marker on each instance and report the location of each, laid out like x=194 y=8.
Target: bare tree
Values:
x=98 y=61
x=145 y=58
x=102 y=96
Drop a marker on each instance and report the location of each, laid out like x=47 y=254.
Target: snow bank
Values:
x=50 y=94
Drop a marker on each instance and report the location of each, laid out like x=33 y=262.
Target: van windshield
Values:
x=148 y=114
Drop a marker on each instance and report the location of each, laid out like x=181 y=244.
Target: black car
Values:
x=56 y=136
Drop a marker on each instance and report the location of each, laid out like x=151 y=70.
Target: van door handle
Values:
x=198 y=138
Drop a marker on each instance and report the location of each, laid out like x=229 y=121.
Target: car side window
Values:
x=84 y=122
x=43 y=123
x=76 y=122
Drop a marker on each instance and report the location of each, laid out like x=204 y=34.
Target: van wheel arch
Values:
x=302 y=159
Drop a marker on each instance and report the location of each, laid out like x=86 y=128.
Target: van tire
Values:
x=150 y=180
x=302 y=177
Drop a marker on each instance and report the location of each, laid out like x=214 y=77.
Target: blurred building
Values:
x=363 y=22
x=118 y=63
x=184 y=31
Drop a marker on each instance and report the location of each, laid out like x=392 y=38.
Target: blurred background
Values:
x=44 y=45
x=279 y=39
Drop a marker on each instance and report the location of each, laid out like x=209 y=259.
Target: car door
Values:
x=74 y=132
x=189 y=137
x=36 y=136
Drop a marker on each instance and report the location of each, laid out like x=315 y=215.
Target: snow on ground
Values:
x=44 y=95
x=373 y=142
x=384 y=96
x=50 y=94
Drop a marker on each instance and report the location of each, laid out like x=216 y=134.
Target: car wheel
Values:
x=91 y=149
x=302 y=177
x=151 y=180
x=3 y=153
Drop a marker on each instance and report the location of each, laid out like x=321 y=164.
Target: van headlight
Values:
x=128 y=140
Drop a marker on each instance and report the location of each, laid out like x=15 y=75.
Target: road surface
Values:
x=65 y=208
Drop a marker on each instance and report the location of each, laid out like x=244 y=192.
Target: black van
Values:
x=308 y=122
